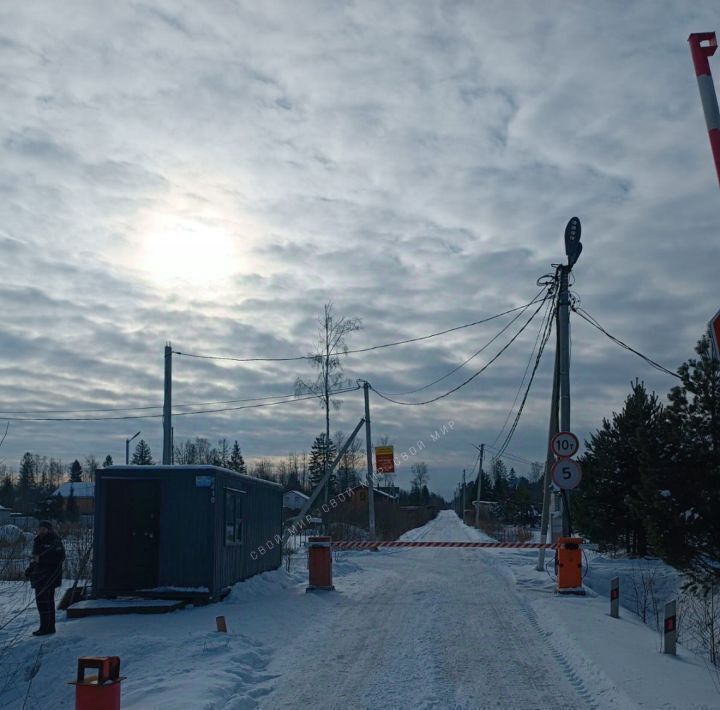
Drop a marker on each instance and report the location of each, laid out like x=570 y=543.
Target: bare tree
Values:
x=420 y=475
x=332 y=332
x=348 y=466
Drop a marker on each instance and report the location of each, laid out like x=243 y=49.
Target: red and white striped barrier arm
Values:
x=702 y=46
x=361 y=545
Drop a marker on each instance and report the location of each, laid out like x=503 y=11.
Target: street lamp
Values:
x=127 y=447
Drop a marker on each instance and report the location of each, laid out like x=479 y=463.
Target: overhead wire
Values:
x=522 y=309
x=176 y=414
x=361 y=350
x=541 y=330
x=141 y=408
x=594 y=322
x=475 y=374
x=511 y=456
x=543 y=343
x=473 y=356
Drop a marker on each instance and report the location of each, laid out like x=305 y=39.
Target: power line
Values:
x=143 y=408
x=175 y=414
x=511 y=456
x=595 y=324
x=474 y=375
x=522 y=310
x=472 y=357
x=543 y=343
x=360 y=350
x=525 y=373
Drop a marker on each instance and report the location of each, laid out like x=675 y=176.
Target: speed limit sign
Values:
x=564 y=444
x=566 y=474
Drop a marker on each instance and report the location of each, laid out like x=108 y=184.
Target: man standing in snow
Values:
x=45 y=574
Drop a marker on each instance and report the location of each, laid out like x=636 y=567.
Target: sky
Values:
x=211 y=174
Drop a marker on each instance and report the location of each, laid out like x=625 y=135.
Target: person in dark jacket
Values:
x=45 y=574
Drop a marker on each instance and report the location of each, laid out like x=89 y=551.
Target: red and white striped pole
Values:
x=702 y=46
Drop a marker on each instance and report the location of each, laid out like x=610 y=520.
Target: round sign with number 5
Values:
x=564 y=444
x=566 y=474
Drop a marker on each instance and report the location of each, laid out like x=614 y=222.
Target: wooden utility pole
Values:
x=167 y=409
x=478 y=491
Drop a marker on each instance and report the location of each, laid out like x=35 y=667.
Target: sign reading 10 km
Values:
x=566 y=472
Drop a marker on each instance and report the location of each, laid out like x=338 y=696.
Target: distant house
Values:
x=294 y=500
x=359 y=498
x=83 y=493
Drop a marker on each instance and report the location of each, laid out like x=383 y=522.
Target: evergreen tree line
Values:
x=38 y=477
x=651 y=473
x=518 y=499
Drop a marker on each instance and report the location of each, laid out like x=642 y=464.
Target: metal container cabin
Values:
x=184 y=531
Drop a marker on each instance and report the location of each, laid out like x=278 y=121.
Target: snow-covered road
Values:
x=405 y=629
x=425 y=628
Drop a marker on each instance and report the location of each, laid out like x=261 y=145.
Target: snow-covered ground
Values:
x=405 y=628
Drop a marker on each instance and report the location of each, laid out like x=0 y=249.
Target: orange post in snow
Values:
x=320 y=563
x=100 y=692
x=569 y=566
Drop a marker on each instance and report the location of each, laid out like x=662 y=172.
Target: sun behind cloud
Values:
x=182 y=251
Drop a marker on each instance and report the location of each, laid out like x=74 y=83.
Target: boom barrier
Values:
x=362 y=545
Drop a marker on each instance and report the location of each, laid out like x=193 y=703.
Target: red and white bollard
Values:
x=702 y=46
x=100 y=692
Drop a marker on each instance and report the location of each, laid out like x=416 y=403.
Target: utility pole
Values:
x=464 y=498
x=167 y=408
x=564 y=341
x=479 y=486
x=368 y=448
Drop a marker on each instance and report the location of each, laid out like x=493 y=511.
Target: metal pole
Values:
x=552 y=430
x=615 y=597
x=708 y=97
x=564 y=339
x=127 y=446
x=462 y=517
x=670 y=628
x=479 y=487
x=167 y=408
x=368 y=449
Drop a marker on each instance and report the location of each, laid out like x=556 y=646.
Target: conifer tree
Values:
x=683 y=481
x=322 y=451
x=142 y=455
x=75 y=471
x=609 y=506
x=236 y=461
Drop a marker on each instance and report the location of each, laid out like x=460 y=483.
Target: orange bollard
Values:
x=569 y=566
x=320 y=563
x=100 y=692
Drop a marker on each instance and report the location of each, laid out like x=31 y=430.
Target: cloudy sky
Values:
x=212 y=173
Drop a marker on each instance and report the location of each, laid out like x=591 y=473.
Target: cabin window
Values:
x=233 y=517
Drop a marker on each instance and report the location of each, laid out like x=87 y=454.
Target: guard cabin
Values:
x=182 y=532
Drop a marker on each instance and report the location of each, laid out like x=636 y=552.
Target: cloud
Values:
x=413 y=163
